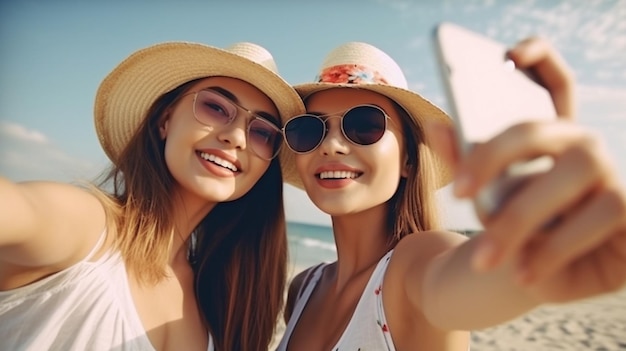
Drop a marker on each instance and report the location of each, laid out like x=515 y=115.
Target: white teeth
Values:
x=218 y=161
x=338 y=175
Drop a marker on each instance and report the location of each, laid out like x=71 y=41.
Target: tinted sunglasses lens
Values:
x=304 y=133
x=264 y=138
x=210 y=108
x=364 y=125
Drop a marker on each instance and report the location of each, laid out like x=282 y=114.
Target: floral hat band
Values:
x=350 y=74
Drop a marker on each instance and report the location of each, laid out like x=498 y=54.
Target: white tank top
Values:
x=87 y=306
x=367 y=328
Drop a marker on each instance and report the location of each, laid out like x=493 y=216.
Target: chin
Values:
x=336 y=208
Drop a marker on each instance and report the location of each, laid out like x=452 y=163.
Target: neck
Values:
x=188 y=213
x=361 y=239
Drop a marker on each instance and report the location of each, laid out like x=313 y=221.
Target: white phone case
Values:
x=486 y=95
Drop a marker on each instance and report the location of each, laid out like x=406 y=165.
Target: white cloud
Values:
x=27 y=154
x=604 y=34
x=593 y=31
x=590 y=34
x=18 y=132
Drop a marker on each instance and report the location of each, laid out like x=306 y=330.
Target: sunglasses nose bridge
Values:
x=334 y=140
x=336 y=125
x=332 y=126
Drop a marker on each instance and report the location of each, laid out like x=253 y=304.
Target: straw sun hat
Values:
x=128 y=92
x=363 y=66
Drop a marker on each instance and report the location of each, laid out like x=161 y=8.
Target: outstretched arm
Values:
x=434 y=270
x=519 y=262
x=46 y=224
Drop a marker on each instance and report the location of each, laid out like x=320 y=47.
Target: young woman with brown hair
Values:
x=187 y=249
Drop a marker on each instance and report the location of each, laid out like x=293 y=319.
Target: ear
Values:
x=164 y=123
x=406 y=167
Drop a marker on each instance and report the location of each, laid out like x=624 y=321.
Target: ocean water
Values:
x=310 y=244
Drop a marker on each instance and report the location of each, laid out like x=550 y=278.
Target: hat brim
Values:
x=418 y=108
x=127 y=93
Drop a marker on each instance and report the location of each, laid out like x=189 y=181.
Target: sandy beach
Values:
x=596 y=324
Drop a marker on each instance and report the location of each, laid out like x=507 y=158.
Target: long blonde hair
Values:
x=413 y=207
x=240 y=272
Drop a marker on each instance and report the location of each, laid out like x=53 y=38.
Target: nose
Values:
x=234 y=133
x=334 y=142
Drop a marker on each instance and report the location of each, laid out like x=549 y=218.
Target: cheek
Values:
x=397 y=152
x=170 y=155
x=391 y=158
x=302 y=162
x=178 y=146
x=257 y=169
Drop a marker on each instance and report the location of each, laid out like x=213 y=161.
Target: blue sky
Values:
x=53 y=55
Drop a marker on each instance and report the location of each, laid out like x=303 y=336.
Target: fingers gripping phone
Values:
x=486 y=95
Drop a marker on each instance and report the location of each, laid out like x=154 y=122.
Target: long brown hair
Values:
x=413 y=207
x=241 y=251
x=241 y=278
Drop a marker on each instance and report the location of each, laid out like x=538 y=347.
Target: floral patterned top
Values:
x=367 y=329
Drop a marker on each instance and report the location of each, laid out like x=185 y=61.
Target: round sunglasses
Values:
x=361 y=124
x=214 y=109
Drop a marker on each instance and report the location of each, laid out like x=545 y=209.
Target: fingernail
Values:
x=483 y=256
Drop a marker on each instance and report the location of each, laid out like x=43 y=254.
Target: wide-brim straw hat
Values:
x=127 y=93
x=358 y=65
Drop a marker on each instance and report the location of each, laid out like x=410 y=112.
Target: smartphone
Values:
x=487 y=94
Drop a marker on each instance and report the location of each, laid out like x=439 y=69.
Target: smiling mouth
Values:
x=339 y=175
x=219 y=161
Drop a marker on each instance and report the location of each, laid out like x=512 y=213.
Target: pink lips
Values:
x=229 y=166
x=336 y=175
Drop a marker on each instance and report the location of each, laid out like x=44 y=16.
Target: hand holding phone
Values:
x=488 y=94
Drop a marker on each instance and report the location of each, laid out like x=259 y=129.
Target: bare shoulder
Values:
x=49 y=189
x=412 y=257
x=426 y=244
x=48 y=223
x=61 y=194
x=403 y=284
x=62 y=203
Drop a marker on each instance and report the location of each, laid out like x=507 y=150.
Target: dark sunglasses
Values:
x=361 y=124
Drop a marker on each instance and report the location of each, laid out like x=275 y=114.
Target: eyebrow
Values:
x=233 y=98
